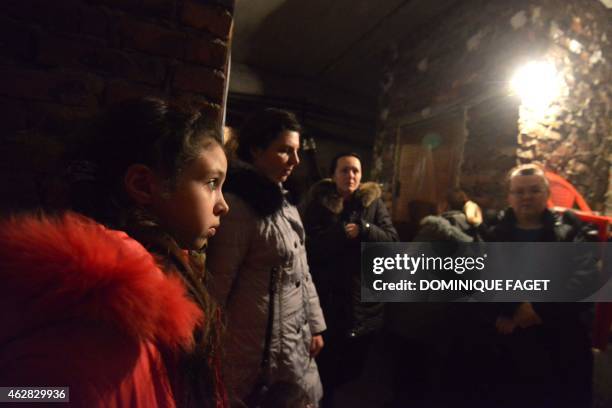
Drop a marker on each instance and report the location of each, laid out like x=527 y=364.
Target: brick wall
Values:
x=62 y=60
x=465 y=59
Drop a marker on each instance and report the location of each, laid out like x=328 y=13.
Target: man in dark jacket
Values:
x=545 y=346
x=340 y=214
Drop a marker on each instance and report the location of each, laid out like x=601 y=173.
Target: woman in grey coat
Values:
x=258 y=256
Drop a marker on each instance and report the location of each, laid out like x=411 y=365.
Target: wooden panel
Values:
x=428 y=159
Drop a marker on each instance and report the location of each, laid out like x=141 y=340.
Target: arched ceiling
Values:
x=331 y=43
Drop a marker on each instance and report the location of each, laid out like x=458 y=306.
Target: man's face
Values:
x=191 y=212
x=528 y=196
x=347 y=175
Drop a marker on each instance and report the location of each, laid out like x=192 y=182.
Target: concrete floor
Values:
x=370 y=391
x=603 y=378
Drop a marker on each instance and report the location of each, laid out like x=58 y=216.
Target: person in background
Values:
x=547 y=360
x=260 y=272
x=459 y=221
x=84 y=304
x=440 y=350
x=340 y=213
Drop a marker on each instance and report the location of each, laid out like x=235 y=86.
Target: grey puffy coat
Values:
x=263 y=233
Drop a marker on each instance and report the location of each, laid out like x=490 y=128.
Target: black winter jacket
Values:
x=583 y=276
x=335 y=260
x=440 y=228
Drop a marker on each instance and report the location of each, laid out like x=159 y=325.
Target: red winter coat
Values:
x=88 y=308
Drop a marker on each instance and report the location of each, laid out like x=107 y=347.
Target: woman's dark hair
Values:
x=334 y=162
x=150 y=131
x=262 y=128
x=456 y=199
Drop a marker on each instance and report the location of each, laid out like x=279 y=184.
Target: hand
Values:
x=505 y=325
x=351 y=230
x=472 y=212
x=525 y=316
x=316 y=344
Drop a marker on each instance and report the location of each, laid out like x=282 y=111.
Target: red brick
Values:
x=12 y=114
x=200 y=80
x=18 y=8
x=17 y=189
x=59 y=15
x=16 y=39
x=138 y=68
x=94 y=21
x=206 y=51
x=61 y=87
x=200 y=102
x=207 y=17
x=212 y=111
x=67 y=52
x=28 y=150
x=123 y=4
x=91 y=55
x=158 y=8
x=117 y=91
x=56 y=118
x=151 y=38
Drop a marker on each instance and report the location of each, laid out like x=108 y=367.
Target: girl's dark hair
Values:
x=149 y=131
x=262 y=128
x=334 y=162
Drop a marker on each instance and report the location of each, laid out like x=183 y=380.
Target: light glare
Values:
x=537 y=83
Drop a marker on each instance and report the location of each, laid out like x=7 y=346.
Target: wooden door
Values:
x=428 y=159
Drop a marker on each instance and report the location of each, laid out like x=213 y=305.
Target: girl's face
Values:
x=191 y=212
x=278 y=159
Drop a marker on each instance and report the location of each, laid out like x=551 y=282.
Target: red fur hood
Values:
x=70 y=268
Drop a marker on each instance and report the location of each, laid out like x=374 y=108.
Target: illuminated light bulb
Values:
x=538 y=84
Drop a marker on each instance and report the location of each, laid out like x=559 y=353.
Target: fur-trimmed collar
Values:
x=325 y=193
x=263 y=195
x=71 y=268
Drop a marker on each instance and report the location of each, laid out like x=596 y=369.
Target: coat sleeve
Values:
x=315 y=313
x=228 y=249
x=380 y=228
x=584 y=280
x=582 y=275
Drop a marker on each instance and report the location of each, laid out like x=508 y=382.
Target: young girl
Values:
x=86 y=306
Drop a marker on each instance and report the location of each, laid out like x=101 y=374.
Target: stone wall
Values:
x=465 y=59
x=63 y=60
x=574 y=137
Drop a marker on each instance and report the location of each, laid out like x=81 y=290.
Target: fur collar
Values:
x=71 y=268
x=324 y=192
x=263 y=195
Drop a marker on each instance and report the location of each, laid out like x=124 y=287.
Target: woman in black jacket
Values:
x=340 y=214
